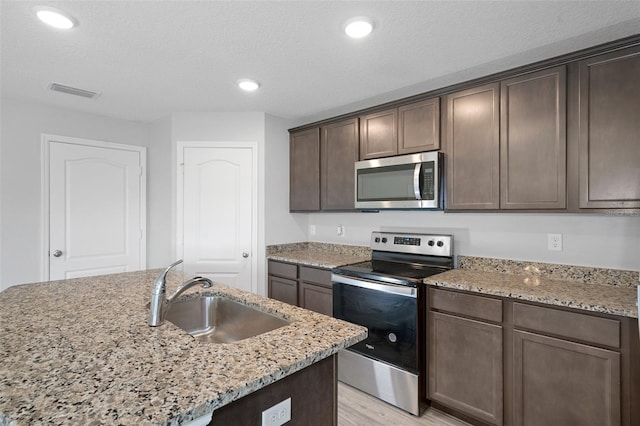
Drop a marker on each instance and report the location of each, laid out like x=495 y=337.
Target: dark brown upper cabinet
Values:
x=304 y=170
x=338 y=154
x=408 y=129
x=419 y=127
x=472 y=147
x=609 y=130
x=379 y=134
x=533 y=141
x=506 y=144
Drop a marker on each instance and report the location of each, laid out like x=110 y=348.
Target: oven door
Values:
x=390 y=312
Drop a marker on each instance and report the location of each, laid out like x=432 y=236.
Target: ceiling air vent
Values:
x=57 y=87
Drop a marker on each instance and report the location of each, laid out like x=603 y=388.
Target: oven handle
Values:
x=385 y=288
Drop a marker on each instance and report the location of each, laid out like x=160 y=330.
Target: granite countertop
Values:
x=80 y=351
x=321 y=255
x=533 y=287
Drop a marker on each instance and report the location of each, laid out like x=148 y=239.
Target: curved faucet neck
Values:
x=158 y=296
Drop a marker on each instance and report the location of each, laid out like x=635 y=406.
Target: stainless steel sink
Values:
x=217 y=319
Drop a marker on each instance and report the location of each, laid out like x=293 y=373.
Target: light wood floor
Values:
x=356 y=408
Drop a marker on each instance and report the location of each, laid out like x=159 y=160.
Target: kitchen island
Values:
x=79 y=351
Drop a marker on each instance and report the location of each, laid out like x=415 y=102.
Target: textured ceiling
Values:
x=151 y=58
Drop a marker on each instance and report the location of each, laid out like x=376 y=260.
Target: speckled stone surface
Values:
x=585 y=274
x=533 y=287
x=322 y=255
x=80 y=352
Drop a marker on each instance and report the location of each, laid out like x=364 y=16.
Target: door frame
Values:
x=46 y=140
x=253 y=147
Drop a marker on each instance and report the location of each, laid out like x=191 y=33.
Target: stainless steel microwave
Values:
x=404 y=182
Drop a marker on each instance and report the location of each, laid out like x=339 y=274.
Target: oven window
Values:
x=391 y=319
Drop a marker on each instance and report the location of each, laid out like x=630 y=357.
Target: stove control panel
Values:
x=427 y=244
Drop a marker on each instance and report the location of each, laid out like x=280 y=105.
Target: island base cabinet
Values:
x=465 y=366
x=313 y=393
x=564 y=383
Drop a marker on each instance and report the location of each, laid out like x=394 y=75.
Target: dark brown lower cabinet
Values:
x=316 y=298
x=557 y=382
x=495 y=361
x=300 y=285
x=466 y=366
x=317 y=408
x=283 y=289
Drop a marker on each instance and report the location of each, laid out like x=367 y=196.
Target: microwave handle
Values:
x=416 y=181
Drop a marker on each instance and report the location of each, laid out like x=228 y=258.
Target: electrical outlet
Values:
x=554 y=242
x=340 y=231
x=312 y=230
x=277 y=415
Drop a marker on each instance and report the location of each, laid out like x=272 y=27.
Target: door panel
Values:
x=609 y=102
x=564 y=383
x=218 y=214
x=473 y=149
x=533 y=141
x=95 y=210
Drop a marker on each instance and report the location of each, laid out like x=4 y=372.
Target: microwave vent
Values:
x=57 y=87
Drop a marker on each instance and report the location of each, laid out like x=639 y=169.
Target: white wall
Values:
x=20 y=176
x=589 y=240
x=160 y=195
x=282 y=226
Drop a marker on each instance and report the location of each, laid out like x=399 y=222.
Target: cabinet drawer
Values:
x=587 y=328
x=283 y=269
x=466 y=304
x=315 y=275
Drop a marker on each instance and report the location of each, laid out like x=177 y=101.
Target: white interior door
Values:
x=96 y=208
x=217 y=200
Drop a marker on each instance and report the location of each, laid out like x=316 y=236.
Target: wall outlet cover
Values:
x=554 y=242
x=277 y=415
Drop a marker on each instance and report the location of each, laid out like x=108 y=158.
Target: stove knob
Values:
x=377 y=239
x=430 y=243
x=384 y=239
x=440 y=243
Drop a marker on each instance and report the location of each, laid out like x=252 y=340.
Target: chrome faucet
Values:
x=159 y=301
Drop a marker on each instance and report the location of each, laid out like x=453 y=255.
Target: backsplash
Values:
x=585 y=274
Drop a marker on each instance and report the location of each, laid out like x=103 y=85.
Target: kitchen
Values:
x=514 y=236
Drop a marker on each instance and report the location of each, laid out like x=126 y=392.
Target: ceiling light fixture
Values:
x=55 y=17
x=248 y=85
x=358 y=27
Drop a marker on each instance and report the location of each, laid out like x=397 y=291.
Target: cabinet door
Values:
x=338 y=153
x=379 y=134
x=472 y=149
x=533 y=142
x=283 y=290
x=316 y=298
x=557 y=382
x=465 y=366
x=609 y=133
x=419 y=127
x=304 y=170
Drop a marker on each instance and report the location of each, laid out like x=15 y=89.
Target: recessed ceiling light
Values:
x=55 y=17
x=358 y=27
x=248 y=85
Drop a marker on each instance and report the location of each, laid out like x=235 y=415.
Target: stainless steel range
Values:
x=387 y=296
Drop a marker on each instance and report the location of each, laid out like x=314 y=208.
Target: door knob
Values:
x=245 y=254
x=57 y=253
